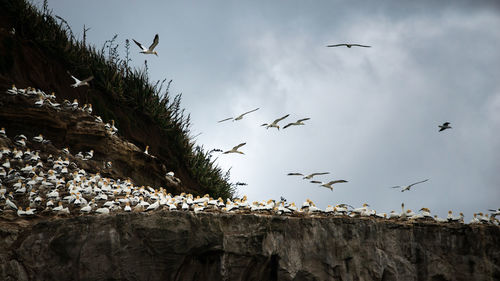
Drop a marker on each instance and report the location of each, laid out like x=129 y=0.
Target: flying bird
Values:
x=238 y=117
x=308 y=177
x=405 y=188
x=275 y=123
x=446 y=125
x=149 y=50
x=296 y=123
x=79 y=83
x=349 y=45
x=235 y=149
x=329 y=184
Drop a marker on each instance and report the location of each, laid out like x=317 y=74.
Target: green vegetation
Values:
x=124 y=85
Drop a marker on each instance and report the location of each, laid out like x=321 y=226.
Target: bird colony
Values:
x=36 y=183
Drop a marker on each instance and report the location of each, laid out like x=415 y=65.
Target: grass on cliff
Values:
x=126 y=85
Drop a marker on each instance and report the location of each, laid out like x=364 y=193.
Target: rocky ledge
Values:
x=215 y=246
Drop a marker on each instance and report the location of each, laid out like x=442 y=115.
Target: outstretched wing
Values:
x=358 y=45
x=288 y=125
x=225 y=119
x=139 y=44
x=302 y=120
x=337 y=45
x=239 y=145
x=336 y=181
x=295 y=174
x=417 y=183
x=317 y=174
x=318 y=182
x=249 y=112
x=397 y=186
x=74 y=78
x=88 y=79
x=279 y=119
x=446 y=124
x=155 y=42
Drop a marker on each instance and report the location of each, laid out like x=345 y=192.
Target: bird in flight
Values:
x=308 y=177
x=349 y=45
x=151 y=48
x=446 y=125
x=79 y=83
x=238 y=117
x=329 y=184
x=405 y=188
x=275 y=123
x=235 y=149
x=296 y=123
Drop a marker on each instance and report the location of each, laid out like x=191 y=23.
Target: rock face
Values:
x=213 y=246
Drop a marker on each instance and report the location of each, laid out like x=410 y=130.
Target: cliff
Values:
x=211 y=246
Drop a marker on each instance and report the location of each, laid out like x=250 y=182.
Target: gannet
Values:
x=29 y=211
x=2 y=132
x=88 y=109
x=65 y=150
x=452 y=218
x=153 y=206
x=150 y=49
x=10 y=204
x=329 y=184
x=426 y=213
x=475 y=219
x=127 y=207
x=330 y=209
x=393 y=215
x=74 y=105
x=307 y=177
x=88 y=155
x=361 y=210
x=349 y=45
x=446 y=125
x=103 y=211
x=296 y=123
x=20 y=142
x=12 y=91
x=275 y=123
x=79 y=83
x=494 y=212
x=20 y=212
x=146 y=150
x=239 y=117
x=86 y=209
x=39 y=102
x=38 y=138
x=405 y=188
x=235 y=149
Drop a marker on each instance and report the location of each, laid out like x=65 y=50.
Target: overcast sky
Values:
x=374 y=111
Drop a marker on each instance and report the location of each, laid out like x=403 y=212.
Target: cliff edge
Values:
x=212 y=246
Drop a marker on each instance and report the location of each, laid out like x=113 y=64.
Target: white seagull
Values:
x=235 y=149
x=238 y=117
x=275 y=123
x=296 y=123
x=405 y=188
x=78 y=83
x=150 y=49
x=329 y=184
x=308 y=177
x=349 y=45
x=446 y=125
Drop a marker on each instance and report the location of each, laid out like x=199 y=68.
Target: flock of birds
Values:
x=33 y=182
